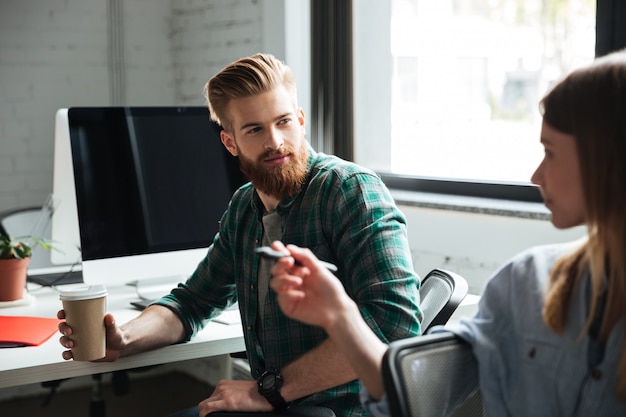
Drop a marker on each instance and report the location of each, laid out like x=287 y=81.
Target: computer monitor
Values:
x=143 y=187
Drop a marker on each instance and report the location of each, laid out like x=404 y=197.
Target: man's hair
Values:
x=246 y=77
x=590 y=105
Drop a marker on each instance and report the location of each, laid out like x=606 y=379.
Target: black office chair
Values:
x=441 y=293
x=21 y=218
x=432 y=376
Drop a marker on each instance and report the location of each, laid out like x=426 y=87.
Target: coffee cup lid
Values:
x=86 y=293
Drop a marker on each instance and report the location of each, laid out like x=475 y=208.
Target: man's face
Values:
x=268 y=136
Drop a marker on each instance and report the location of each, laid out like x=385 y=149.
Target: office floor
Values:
x=156 y=396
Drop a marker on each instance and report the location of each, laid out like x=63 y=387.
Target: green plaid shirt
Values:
x=345 y=215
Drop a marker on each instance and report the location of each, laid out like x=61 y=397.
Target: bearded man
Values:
x=339 y=210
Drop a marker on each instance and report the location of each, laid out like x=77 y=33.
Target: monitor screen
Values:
x=148 y=181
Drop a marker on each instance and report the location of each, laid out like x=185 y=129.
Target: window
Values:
x=450 y=88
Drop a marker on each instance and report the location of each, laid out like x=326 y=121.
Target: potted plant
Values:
x=15 y=255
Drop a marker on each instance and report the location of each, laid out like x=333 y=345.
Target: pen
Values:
x=268 y=252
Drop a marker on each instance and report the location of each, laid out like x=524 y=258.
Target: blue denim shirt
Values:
x=525 y=368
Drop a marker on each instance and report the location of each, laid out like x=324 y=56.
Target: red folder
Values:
x=26 y=331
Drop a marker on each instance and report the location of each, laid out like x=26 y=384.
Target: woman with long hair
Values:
x=549 y=332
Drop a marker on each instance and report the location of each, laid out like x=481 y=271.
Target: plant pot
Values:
x=13 y=278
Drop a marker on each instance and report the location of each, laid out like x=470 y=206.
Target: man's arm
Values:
x=317 y=370
x=376 y=269
x=327 y=366
x=155 y=327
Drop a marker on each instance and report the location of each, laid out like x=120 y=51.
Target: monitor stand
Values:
x=153 y=288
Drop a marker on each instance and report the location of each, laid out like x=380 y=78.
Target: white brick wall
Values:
x=53 y=54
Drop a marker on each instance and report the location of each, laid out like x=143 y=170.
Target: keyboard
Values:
x=57 y=278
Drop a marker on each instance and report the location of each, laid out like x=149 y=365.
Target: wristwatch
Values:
x=269 y=386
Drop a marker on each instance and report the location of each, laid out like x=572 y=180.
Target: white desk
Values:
x=33 y=364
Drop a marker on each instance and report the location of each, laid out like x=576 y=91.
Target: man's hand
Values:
x=234 y=396
x=114 y=338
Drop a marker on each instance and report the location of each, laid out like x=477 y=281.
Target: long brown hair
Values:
x=590 y=104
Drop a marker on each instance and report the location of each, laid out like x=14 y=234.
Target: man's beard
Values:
x=277 y=181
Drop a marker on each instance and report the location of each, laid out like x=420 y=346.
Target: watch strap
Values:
x=277 y=400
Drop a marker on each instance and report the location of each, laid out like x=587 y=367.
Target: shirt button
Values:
x=251 y=286
x=532 y=352
x=249 y=328
x=596 y=373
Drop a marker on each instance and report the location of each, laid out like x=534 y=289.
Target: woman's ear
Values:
x=229 y=142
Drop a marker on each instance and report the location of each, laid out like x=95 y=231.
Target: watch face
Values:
x=269 y=381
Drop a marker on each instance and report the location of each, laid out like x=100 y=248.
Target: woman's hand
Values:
x=307 y=291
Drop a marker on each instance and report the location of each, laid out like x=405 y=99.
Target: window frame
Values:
x=332 y=47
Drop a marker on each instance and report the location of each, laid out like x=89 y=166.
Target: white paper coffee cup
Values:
x=84 y=313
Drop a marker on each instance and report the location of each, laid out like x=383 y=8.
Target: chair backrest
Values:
x=432 y=376
x=29 y=221
x=441 y=293
x=19 y=221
